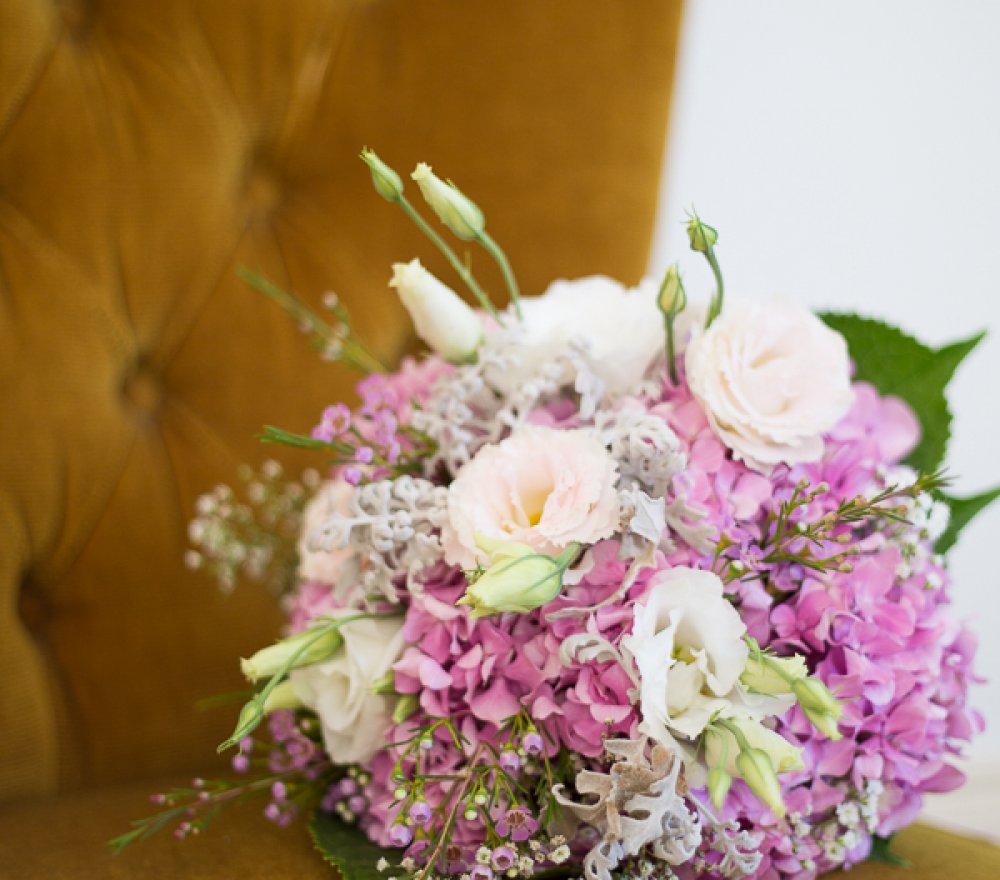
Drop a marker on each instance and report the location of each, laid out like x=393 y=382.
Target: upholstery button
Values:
x=143 y=390
x=78 y=17
x=263 y=191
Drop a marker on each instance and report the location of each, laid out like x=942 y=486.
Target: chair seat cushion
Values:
x=65 y=837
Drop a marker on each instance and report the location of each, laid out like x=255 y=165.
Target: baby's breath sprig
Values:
x=789 y=537
x=254 y=536
x=339 y=342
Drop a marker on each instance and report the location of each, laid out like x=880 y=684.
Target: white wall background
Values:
x=849 y=154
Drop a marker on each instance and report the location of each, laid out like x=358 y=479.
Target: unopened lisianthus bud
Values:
x=303 y=649
x=702 y=236
x=719 y=783
x=442 y=320
x=773 y=675
x=387 y=182
x=758 y=772
x=454 y=209
x=672 y=298
x=820 y=706
x=282 y=696
x=519 y=579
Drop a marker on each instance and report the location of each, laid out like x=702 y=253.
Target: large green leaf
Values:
x=898 y=364
x=963 y=510
x=347 y=848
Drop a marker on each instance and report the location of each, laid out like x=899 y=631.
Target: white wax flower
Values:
x=541 y=487
x=772 y=378
x=354 y=720
x=441 y=318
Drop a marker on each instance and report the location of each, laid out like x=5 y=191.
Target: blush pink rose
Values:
x=540 y=487
x=772 y=379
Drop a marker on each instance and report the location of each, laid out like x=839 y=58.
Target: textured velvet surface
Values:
x=147 y=150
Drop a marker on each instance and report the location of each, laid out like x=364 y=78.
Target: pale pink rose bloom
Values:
x=772 y=378
x=316 y=564
x=540 y=487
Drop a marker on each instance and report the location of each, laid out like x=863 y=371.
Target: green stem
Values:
x=463 y=271
x=668 y=326
x=716 y=307
x=497 y=253
x=355 y=353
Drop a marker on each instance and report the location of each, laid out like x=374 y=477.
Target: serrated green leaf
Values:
x=882 y=852
x=347 y=848
x=963 y=511
x=898 y=364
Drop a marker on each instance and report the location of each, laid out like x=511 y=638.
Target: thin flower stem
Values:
x=463 y=271
x=495 y=251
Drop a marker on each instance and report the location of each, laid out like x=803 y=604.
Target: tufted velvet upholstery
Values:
x=147 y=150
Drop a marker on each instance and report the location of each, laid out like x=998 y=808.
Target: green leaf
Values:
x=963 y=511
x=347 y=848
x=882 y=852
x=898 y=364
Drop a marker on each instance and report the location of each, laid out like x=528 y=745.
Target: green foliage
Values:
x=882 y=852
x=963 y=510
x=347 y=848
x=898 y=364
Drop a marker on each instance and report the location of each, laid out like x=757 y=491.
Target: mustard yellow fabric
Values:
x=52 y=839
x=148 y=150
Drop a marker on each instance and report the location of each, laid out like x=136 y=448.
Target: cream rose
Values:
x=353 y=719
x=622 y=329
x=772 y=377
x=540 y=487
x=315 y=563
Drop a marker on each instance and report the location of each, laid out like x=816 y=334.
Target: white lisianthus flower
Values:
x=623 y=330
x=354 y=720
x=687 y=643
x=540 y=487
x=772 y=378
x=441 y=318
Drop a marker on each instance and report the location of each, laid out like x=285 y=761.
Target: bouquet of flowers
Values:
x=610 y=584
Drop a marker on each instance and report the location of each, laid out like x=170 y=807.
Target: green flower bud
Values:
x=518 y=579
x=672 y=298
x=387 y=182
x=757 y=771
x=719 y=783
x=702 y=236
x=282 y=696
x=821 y=707
x=307 y=647
x=406 y=705
x=773 y=675
x=454 y=209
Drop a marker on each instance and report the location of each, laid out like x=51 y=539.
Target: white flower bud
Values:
x=765 y=676
x=758 y=772
x=454 y=209
x=819 y=705
x=306 y=648
x=442 y=320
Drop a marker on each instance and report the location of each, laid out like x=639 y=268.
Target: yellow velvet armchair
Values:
x=147 y=151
